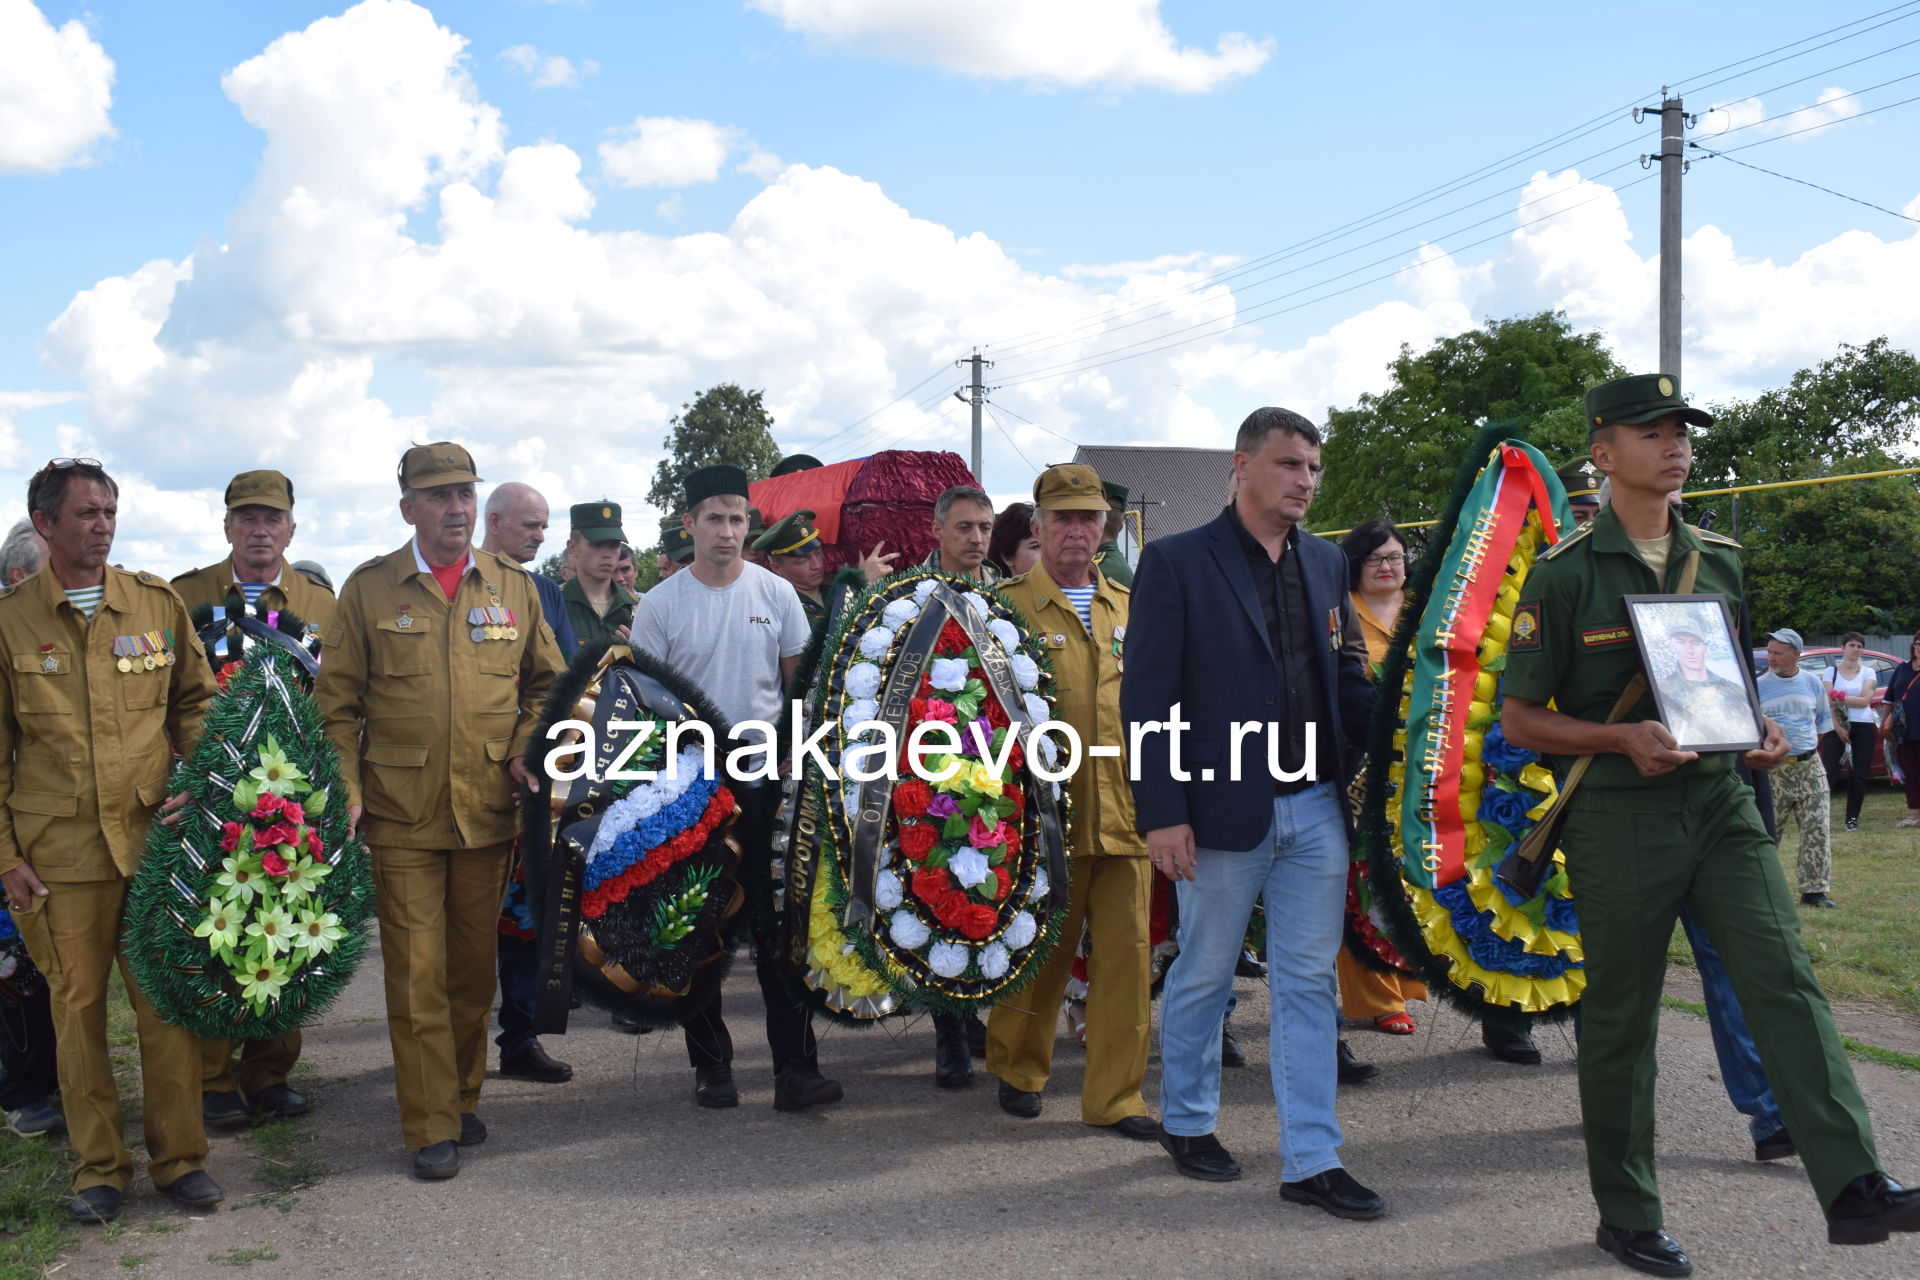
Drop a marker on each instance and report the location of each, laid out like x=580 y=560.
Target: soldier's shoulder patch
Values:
x=1117 y=585
x=1716 y=539
x=151 y=579
x=1525 y=633
x=1567 y=541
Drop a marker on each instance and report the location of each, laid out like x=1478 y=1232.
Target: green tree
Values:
x=1394 y=454
x=1823 y=558
x=550 y=567
x=723 y=424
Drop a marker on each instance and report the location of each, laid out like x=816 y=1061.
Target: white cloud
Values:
x=672 y=207
x=1071 y=44
x=1749 y=121
x=667 y=151
x=56 y=87
x=548 y=70
x=763 y=164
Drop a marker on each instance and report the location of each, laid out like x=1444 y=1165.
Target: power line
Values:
x=1825 y=124
x=1010 y=440
x=1824 y=102
x=1817 y=75
x=1030 y=422
x=857 y=422
x=1803 y=182
x=1687 y=86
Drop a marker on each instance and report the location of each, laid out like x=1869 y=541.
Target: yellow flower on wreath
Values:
x=828 y=950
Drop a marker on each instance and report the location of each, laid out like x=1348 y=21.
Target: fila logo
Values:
x=755 y=618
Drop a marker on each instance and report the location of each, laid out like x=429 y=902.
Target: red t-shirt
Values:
x=448 y=577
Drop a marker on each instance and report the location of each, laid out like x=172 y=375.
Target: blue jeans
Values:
x=1302 y=869
x=519 y=983
x=1740 y=1071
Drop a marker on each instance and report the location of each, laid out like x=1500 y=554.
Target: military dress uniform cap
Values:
x=1579 y=486
x=715 y=481
x=795 y=462
x=1787 y=636
x=597 y=521
x=1116 y=494
x=792 y=535
x=1641 y=398
x=1070 y=486
x=260 y=489
x=428 y=466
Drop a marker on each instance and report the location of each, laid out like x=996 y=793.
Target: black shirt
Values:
x=1292 y=638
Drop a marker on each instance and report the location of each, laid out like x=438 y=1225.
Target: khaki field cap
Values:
x=1071 y=486
x=427 y=466
x=260 y=489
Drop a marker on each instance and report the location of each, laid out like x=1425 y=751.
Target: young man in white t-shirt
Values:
x=736 y=631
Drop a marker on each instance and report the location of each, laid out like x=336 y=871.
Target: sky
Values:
x=304 y=235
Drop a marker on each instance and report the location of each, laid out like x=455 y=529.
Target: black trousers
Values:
x=1860 y=738
x=789 y=1015
x=27 y=1051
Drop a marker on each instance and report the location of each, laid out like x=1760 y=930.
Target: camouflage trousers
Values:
x=1800 y=795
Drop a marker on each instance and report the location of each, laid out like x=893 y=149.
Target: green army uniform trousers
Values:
x=1635 y=857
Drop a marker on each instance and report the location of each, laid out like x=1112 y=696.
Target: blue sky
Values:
x=913 y=186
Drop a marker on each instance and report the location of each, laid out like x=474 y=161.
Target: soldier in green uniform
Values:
x=1654 y=829
x=1108 y=559
x=1583 y=495
x=793 y=550
x=598 y=608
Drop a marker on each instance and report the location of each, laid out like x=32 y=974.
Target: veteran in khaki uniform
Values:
x=1111 y=877
x=101 y=680
x=259 y=526
x=442 y=650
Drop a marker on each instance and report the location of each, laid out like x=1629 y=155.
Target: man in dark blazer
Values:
x=1240 y=636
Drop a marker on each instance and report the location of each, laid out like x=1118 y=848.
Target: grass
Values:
x=1856 y=1048
x=242 y=1257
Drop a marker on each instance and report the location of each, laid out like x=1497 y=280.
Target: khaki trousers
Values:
x=1110 y=895
x=261 y=1063
x=439 y=913
x=73 y=934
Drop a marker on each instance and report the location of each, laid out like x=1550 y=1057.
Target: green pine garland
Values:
x=212 y=951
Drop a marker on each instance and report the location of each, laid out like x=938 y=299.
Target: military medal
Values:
x=166 y=654
x=146 y=652
x=477 y=620
x=403 y=619
x=121 y=647
x=49 y=664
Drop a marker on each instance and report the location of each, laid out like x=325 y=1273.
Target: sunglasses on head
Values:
x=61 y=464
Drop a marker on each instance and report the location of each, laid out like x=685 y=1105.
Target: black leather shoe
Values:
x=1777 y=1145
x=223 y=1110
x=1508 y=1047
x=952 y=1060
x=1870 y=1208
x=1654 y=1252
x=1817 y=900
x=713 y=1086
x=95 y=1205
x=1337 y=1192
x=1019 y=1102
x=473 y=1131
x=532 y=1063
x=976 y=1036
x=1249 y=965
x=1202 y=1157
x=801 y=1086
x=1139 y=1128
x=280 y=1101
x=441 y=1160
x=1231 y=1054
x=196 y=1190
x=1352 y=1070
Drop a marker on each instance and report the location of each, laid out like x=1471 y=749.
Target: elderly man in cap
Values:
x=599 y=608
x=1080 y=619
x=258 y=527
x=87 y=739
x=431 y=687
x=1654 y=830
x=737 y=632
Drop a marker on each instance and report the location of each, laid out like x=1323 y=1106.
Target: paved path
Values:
x=619 y=1174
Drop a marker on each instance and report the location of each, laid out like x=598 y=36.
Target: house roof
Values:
x=1180 y=488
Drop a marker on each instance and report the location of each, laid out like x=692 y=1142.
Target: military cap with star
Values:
x=1070 y=486
x=1641 y=398
x=792 y=535
x=597 y=521
x=1579 y=486
x=428 y=466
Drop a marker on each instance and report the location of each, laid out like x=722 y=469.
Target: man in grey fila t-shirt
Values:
x=736 y=631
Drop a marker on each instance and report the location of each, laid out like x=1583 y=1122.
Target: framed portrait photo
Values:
x=1702 y=683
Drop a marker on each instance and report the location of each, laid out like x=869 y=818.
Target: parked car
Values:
x=1817 y=660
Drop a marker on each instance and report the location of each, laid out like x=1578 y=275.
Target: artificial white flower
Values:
x=1049 y=754
x=858 y=714
x=1005 y=632
x=924 y=588
x=874 y=644
x=863 y=680
x=1023 y=928
x=648 y=798
x=1038 y=712
x=899 y=613
x=907 y=930
x=1026 y=672
x=949 y=674
x=1040 y=885
x=994 y=960
x=969 y=866
x=979 y=603
x=887 y=891
x=948 y=959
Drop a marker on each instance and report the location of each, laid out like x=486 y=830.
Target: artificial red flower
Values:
x=910 y=799
x=272 y=863
x=1006 y=880
x=916 y=710
x=226 y=673
x=266 y=807
x=292 y=812
x=1018 y=796
x=1017 y=758
x=981 y=836
x=314 y=846
x=926 y=686
x=952 y=642
x=931 y=885
x=917 y=840
x=278 y=834
x=229 y=836
x=995 y=713
x=941 y=711
x=977 y=920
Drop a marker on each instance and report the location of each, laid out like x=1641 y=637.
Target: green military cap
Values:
x=428 y=466
x=756 y=524
x=1579 y=486
x=792 y=535
x=720 y=479
x=1116 y=494
x=597 y=521
x=260 y=489
x=675 y=539
x=1685 y=629
x=794 y=462
x=1640 y=398
x=1069 y=486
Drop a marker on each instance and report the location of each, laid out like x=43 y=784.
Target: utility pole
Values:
x=978 y=399
x=1674 y=123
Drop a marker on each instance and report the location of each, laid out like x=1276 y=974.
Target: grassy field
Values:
x=1868 y=951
